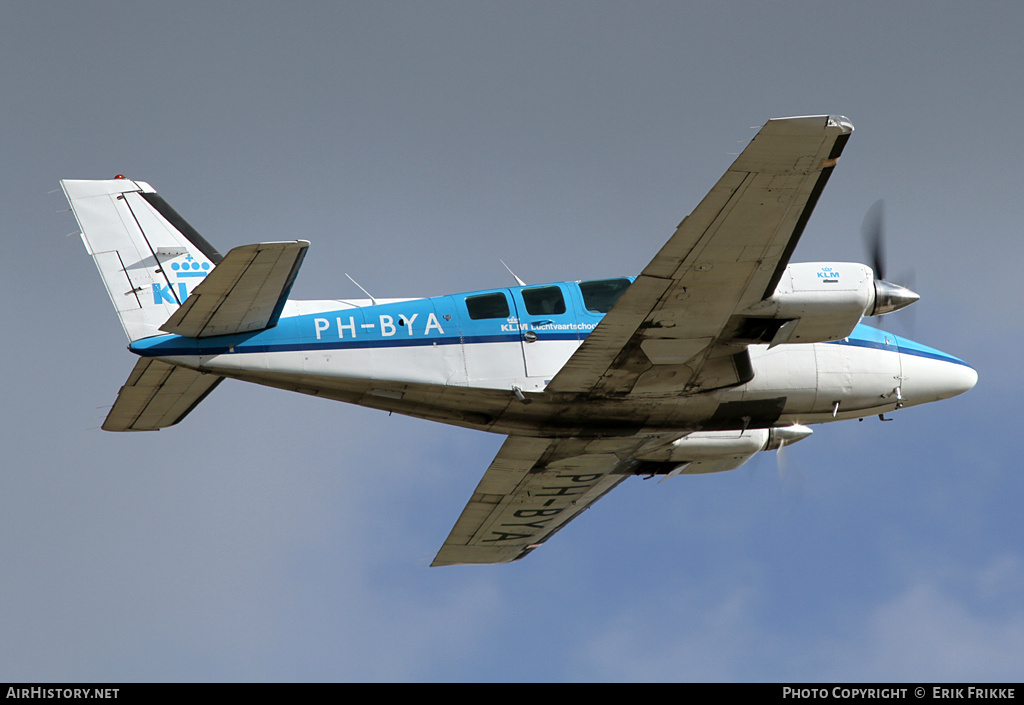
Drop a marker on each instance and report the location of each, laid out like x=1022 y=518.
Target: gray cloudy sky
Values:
x=278 y=537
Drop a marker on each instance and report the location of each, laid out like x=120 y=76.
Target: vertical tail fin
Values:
x=150 y=259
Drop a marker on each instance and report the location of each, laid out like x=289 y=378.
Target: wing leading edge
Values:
x=674 y=329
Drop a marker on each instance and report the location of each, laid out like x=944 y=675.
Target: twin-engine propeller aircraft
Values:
x=719 y=349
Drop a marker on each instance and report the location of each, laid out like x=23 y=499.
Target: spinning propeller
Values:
x=889 y=297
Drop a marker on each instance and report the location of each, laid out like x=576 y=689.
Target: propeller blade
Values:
x=889 y=297
x=790 y=479
x=873 y=230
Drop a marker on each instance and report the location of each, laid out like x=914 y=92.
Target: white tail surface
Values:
x=150 y=259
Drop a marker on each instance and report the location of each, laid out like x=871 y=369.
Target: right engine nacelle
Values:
x=820 y=301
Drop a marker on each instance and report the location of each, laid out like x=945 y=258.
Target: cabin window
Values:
x=600 y=295
x=487 y=306
x=544 y=300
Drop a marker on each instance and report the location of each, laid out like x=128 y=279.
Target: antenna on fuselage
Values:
x=518 y=280
x=362 y=289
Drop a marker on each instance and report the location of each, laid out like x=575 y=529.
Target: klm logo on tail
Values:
x=189 y=269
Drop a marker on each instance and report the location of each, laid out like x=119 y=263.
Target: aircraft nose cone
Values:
x=928 y=380
x=960 y=379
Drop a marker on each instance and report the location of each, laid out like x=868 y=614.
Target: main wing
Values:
x=680 y=326
x=533 y=488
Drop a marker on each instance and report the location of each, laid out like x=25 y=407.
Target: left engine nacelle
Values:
x=716 y=451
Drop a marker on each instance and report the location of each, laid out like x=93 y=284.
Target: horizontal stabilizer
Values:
x=245 y=293
x=158 y=395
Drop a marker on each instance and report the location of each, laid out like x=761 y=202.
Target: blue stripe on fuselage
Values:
x=865 y=336
x=422 y=322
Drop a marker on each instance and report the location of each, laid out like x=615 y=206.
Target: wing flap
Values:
x=244 y=293
x=158 y=395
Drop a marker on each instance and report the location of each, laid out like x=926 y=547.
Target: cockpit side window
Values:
x=599 y=295
x=544 y=300
x=487 y=306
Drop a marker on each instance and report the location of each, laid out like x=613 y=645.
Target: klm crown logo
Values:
x=189 y=269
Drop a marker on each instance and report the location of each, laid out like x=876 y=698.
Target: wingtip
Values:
x=811 y=122
x=842 y=122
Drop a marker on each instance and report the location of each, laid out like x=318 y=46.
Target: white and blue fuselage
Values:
x=462 y=358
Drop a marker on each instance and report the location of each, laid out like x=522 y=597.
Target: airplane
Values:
x=719 y=349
